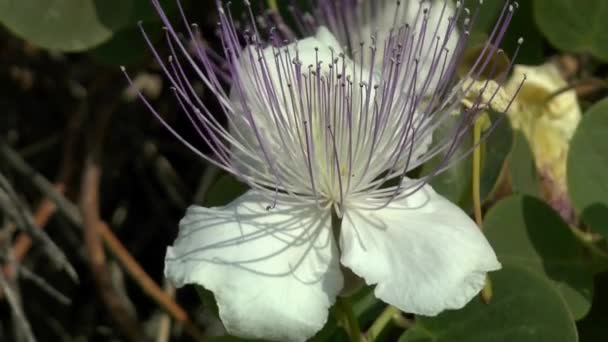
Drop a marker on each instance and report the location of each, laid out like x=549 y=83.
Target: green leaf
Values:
x=144 y=11
x=594 y=328
x=588 y=168
x=522 y=168
x=525 y=307
x=223 y=191
x=488 y=13
x=523 y=25
x=455 y=182
x=127 y=46
x=228 y=338
x=574 y=26
x=526 y=231
x=65 y=25
x=208 y=299
x=496 y=149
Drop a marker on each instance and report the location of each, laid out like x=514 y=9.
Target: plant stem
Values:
x=351 y=322
x=477 y=172
x=589 y=241
x=380 y=323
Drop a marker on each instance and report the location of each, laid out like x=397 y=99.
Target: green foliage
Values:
x=65 y=25
x=488 y=12
x=588 y=168
x=525 y=307
x=495 y=151
x=525 y=231
x=223 y=191
x=546 y=289
x=524 y=176
x=455 y=182
x=106 y=27
x=594 y=328
x=366 y=306
x=523 y=25
x=128 y=46
x=574 y=25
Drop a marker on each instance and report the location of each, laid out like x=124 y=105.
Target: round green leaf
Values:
x=66 y=25
x=522 y=168
x=574 y=25
x=524 y=307
x=525 y=231
x=588 y=168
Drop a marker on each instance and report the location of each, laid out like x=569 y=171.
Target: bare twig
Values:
x=146 y=283
x=11 y=204
x=25 y=273
x=164 y=325
x=46 y=187
x=43 y=213
x=582 y=87
x=70 y=211
x=47 y=208
x=166 y=175
x=116 y=304
x=15 y=305
x=90 y=212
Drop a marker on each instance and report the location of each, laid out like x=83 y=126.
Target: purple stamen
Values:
x=345 y=123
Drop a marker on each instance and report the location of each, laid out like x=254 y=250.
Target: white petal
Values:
x=274 y=273
x=277 y=66
x=423 y=252
x=288 y=113
x=263 y=76
x=390 y=17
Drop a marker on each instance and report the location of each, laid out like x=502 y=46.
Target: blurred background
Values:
x=92 y=186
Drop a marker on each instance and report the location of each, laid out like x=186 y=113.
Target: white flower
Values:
x=384 y=21
x=319 y=135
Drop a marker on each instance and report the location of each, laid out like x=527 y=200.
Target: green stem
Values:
x=273 y=5
x=381 y=322
x=477 y=172
x=589 y=240
x=351 y=322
